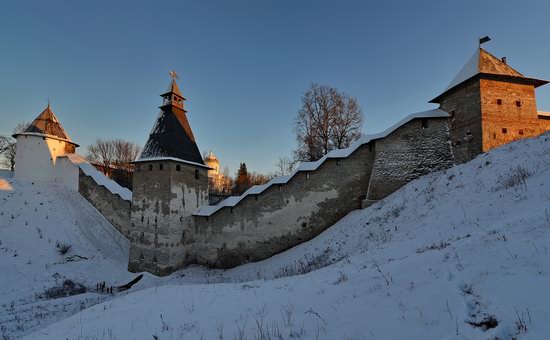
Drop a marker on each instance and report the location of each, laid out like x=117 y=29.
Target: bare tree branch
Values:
x=327 y=120
x=8 y=146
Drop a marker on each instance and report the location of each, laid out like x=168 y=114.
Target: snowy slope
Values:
x=459 y=254
x=34 y=219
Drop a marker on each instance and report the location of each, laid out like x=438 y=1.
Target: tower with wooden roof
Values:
x=490 y=104
x=39 y=146
x=170 y=182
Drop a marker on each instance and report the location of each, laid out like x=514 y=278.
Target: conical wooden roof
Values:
x=48 y=125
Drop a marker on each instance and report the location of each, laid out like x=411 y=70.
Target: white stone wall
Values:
x=37 y=160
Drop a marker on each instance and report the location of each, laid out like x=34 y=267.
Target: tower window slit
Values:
x=518 y=103
x=499 y=101
x=196 y=173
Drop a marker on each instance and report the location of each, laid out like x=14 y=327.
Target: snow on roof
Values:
x=156 y=159
x=482 y=62
x=468 y=71
x=544 y=114
x=99 y=177
x=311 y=166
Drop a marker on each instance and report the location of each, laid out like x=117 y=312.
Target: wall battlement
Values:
x=289 y=210
x=486 y=105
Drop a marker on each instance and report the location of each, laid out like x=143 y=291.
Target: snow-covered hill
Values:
x=458 y=254
x=36 y=221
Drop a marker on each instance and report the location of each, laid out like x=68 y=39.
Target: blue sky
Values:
x=243 y=65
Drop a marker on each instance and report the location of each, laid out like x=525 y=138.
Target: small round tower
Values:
x=39 y=146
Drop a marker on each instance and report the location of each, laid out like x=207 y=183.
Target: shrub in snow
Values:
x=485 y=324
x=517 y=179
x=63 y=248
x=67 y=288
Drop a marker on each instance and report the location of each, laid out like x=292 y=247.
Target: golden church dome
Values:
x=211 y=158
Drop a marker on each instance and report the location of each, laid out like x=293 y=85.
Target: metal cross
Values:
x=174 y=75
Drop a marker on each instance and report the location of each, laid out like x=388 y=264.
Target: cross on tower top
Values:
x=174 y=75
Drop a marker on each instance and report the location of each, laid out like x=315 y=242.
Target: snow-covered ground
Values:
x=458 y=254
x=37 y=220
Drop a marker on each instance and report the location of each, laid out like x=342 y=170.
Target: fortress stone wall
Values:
x=289 y=210
x=413 y=150
x=283 y=215
x=167 y=217
x=486 y=105
x=115 y=209
x=464 y=108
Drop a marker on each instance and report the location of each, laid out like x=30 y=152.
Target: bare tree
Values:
x=4 y=143
x=285 y=165
x=227 y=182
x=327 y=120
x=113 y=153
x=125 y=152
x=258 y=178
x=101 y=152
x=8 y=146
x=113 y=157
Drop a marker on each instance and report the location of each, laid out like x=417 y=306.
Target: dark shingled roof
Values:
x=47 y=124
x=171 y=135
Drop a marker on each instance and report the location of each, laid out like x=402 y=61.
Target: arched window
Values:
x=178 y=167
x=196 y=173
x=150 y=167
x=160 y=167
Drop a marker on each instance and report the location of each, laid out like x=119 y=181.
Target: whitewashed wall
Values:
x=37 y=160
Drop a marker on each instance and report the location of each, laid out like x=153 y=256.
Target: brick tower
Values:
x=170 y=182
x=490 y=104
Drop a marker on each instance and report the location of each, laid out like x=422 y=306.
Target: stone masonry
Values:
x=166 y=193
x=413 y=150
x=284 y=215
x=115 y=209
x=488 y=104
